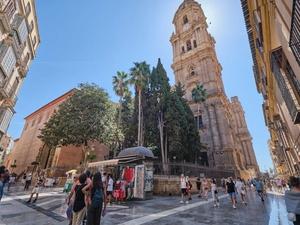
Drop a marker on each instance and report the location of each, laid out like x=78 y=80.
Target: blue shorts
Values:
x=232 y=194
x=69 y=210
x=259 y=191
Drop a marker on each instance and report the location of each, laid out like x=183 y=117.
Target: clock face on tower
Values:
x=186 y=26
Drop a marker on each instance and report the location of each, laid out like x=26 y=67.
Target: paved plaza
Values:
x=50 y=210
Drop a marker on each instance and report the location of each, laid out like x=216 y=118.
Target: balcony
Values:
x=295 y=31
x=7 y=93
x=281 y=76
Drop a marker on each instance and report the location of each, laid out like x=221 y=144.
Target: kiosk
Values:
x=134 y=167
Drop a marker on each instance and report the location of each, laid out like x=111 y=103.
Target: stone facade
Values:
x=274 y=37
x=226 y=141
x=29 y=148
x=19 y=40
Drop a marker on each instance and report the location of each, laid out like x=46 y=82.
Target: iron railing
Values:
x=295 y=31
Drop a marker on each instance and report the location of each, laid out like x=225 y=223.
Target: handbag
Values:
x=291 y=216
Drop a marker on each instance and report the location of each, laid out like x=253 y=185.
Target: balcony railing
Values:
x=7 y=91
x=284 y=86
x=295 y=31
x=10 y=9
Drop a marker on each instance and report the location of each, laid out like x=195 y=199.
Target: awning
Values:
x=111 y=162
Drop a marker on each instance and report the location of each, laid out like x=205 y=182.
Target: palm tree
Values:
x=139 y=77
x=120 y=87
x=199 y=96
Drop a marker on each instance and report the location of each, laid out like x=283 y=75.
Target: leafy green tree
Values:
x=127 y=124
x=199 y=96
x=87 y=115
x=91 y=157
x=189 y=134
x=120 y=87
x=139 y=78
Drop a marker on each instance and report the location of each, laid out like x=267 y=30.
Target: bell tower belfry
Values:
x=195 y=63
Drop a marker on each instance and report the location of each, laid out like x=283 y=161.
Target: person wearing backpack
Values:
x=96 y=193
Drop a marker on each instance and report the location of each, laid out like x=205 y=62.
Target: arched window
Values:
x=182 y=49
x=195 y=43
x=192 y=72
x=188 y=45
x=27 y=9
x=185 y=19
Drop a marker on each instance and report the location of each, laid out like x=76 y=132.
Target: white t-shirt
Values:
x=183 y=182
x=110 y=185
x=239 y=185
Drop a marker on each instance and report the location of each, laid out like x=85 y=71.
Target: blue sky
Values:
x=90 y=41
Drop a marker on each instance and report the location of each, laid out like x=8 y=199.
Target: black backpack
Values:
x=97 y=200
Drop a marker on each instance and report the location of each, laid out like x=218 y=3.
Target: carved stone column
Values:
x=221 y=124
x=213 y=127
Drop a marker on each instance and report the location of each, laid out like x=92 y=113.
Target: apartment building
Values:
x=273 y=29
x=19 y=40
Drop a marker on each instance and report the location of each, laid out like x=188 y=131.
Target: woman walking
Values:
x=214 y=192
x=94 y=212
x=292 y=201
x=78 y=202
x=205 y=188
x=231 y=190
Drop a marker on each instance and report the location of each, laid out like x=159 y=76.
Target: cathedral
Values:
x=226 y=141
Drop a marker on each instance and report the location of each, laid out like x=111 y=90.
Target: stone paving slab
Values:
x=50 y=210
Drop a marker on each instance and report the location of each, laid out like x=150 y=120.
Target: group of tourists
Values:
x=231 y=186
x=88 y=197
x=203 y=186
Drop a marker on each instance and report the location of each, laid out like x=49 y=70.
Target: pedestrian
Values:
x=189 y=187
x=223 y=181
x=79 y=200
x=70 y=199
x=205 y=185
x=231 y=190
x=3 y=175
x=94 y=210
x=238 y=185
x=243 y=192
x=109 y=189
x=260 y=189
x=292 y=200
x=38 y=187
x=24 y=177
x=183 y=186
x=198 y=182
x=11 y=181
x=214 y=192
x=28 y=181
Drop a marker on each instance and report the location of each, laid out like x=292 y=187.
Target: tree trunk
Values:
x=83 y=155
x=142 y=127
x=118 y=126
x=139 y=123
x=198 y=117
x=166 y=153
x=161 y=133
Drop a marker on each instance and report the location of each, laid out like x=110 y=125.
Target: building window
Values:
x=23 y=31
x=26 y=126
x=182 y=49
x=34 y=41
x=295 y=31
x=10 y=9
x=9 y=61
x=188 y=45
x=185 y=19
x=293 y=77
x=200 y=122
x=33 y=122
x=16 y=37
x=6 y=120
x=31 y=26
x=27 y=9
x=195 y=43
x=40 y=119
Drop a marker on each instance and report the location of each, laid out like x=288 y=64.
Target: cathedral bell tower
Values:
x=195 y=63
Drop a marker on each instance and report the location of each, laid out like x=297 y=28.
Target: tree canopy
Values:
x=86 y=115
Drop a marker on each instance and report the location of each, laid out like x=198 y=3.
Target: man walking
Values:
x=260 y=188
x=38 y=187
x=198 y=182
x=183 y=187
